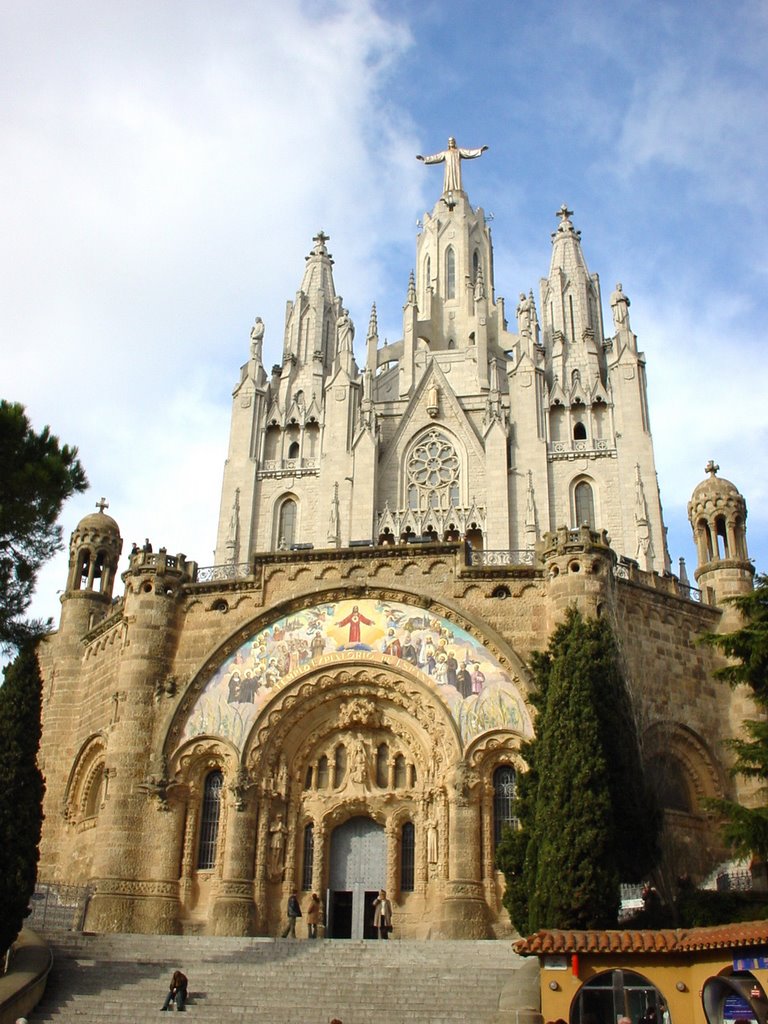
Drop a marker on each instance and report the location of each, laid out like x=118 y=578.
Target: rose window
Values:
x=433 y=473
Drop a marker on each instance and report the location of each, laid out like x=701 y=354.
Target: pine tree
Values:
x=37 y=475
x=746 y=828
x=587 y=819
x=21 y=791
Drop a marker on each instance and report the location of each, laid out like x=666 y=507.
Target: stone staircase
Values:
x=124 y=978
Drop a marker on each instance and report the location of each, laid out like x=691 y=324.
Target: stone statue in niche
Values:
x=277 y=834
x=431 y=841
x=620 y=308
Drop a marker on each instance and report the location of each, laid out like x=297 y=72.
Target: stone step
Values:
x=124 y=978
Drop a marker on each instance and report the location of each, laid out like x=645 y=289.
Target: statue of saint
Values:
x=277 y=833
x=257 y=339
x=524 y=314
x=345 y=332
x=452 y=158
x=620 y=308
x=431 y=841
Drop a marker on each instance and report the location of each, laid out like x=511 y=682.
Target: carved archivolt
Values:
x=85 y=794
x=667 y=740
x=487 y=752
x=193 y=761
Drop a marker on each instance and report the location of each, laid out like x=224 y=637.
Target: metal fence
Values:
x=59 y=907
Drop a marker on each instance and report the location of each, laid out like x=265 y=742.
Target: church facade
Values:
x=337 y=705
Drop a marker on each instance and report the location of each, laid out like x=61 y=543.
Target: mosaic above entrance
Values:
x=480 y=694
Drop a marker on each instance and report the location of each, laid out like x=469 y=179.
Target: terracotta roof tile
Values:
x=666 y=940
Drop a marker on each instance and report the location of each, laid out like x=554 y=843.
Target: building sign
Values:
x=737 y=1010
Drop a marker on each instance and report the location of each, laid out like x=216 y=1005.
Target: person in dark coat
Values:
x=177 y=992
x=294 y=911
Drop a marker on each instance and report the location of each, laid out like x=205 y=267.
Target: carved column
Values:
x=233 y=911
x=465 y=911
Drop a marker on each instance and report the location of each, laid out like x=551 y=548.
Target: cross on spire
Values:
x=711 y=467
x=564 y=213
x=320 y=239
x=102 y=504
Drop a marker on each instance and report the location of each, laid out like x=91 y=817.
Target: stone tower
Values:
x=717 y=513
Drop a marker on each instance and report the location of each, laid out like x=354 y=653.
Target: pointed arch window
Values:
x=382 y=766
x=475 y=265
x=407 y=857
x=209 y=821
x=286 y=525
x=579 y=432
x=504 y=786
x=584 y=504
x=450 y=273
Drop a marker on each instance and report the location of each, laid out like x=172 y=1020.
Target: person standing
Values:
x=313 y=916
x=293 y=911
x=382 y=914
x=177 y=992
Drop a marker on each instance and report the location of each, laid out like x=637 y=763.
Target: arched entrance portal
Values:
x=358 y=870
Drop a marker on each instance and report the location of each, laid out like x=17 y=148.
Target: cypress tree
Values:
x=21 y=791
x=587 y=820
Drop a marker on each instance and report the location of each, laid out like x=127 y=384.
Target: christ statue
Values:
x=452 y=158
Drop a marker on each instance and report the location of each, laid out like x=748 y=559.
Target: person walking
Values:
x=177 y=992
x=382 y=914
x=293 y=911
x=313 y=916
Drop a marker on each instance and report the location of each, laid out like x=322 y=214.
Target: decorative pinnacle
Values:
x=411 y=288
x=102 y=504
x=373 y=323
x=711 y=467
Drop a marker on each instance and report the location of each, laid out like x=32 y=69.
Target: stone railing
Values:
x=513 y=556
x=627 y=569
x=570 y=449
x=288 y=467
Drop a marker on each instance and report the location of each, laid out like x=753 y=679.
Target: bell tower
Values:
x=717 y=513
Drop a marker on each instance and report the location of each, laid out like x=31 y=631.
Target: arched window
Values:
x=504 y=785
x=610 y=995
x=450 y=273
x=475 y=265
x=722 y=538
x=400 y=774
x=407 y=856
x=670 y=781
x=293 y=450
x=95 y=795
x=579 y=432
x=286 y=529
x=427 y=274
x=322 y=773
x=209 y=821
x=584 y=505
x=309 y=856
x=382 y=767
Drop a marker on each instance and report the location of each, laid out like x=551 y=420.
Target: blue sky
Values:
x=166 y=165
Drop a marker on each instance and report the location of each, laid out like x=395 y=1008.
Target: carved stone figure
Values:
x=620 y=308
x=345 y=332
x=277 y=834
x=257 y=339
x=452 y=157
x=432 y=841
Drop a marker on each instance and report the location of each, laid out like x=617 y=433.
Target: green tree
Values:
x=586 y=815
x=21 y=790
x=37 y=475
x=746 y=828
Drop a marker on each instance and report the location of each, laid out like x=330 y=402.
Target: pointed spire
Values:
x=411 y=300
x=373 y=323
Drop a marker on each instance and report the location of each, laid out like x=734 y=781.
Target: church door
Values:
x=358 y=871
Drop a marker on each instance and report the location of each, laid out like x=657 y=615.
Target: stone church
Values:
x=337 y=705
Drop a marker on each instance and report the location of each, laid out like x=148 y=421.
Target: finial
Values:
x=373 y=323
x=711 y=467
x=320 y=239
x=102 y=504
x=565 y=226
x=564 y=213
x=411 y=289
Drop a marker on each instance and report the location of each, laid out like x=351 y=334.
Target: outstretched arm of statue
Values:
x=436 y=158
